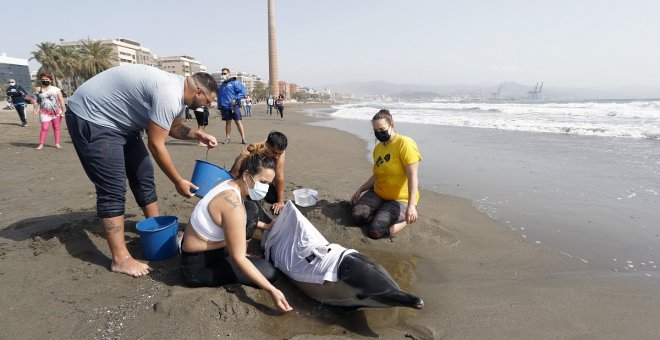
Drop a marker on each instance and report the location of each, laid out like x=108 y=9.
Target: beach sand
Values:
x=477 y=278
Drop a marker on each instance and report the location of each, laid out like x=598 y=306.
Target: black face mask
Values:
x=45 y=82
x=382 y=136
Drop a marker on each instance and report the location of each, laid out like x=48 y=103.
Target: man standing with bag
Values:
x=230 y=94
x=105 y=119
x=17 y=94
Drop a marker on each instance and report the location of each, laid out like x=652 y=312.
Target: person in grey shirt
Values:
x=105 y=119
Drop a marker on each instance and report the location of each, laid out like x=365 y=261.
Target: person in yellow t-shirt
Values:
x=387 y=201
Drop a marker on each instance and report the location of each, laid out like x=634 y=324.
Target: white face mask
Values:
x=259 y=191
x=12 y=84
x=224 y=77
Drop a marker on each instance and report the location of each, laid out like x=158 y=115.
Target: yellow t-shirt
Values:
x=389 y=168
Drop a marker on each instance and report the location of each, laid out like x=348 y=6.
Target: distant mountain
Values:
x=506 y=90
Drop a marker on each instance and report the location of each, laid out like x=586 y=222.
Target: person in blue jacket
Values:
x=16 y=93
x=230 y=94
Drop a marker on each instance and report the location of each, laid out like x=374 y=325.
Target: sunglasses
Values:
x=208 y=101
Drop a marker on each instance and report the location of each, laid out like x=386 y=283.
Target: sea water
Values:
x=581 y=178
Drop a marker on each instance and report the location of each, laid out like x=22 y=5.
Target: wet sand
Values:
x=478 y=280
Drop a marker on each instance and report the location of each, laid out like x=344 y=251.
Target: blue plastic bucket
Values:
x=158 y=237
x=206 y=175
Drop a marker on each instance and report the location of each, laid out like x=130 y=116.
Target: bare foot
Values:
x=130 y=266
x=41 y=146
x=395 y=228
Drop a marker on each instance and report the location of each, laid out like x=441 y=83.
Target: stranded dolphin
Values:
x=328 y=272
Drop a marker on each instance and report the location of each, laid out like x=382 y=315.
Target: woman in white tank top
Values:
x=214 y=250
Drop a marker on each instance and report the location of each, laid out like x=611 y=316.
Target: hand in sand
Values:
x=130 y=266
x=355 y=197
x=280 y=301
x=411 y=214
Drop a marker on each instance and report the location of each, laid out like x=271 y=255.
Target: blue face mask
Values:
x=259 y=191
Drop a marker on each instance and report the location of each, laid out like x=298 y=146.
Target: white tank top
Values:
x=201 y=220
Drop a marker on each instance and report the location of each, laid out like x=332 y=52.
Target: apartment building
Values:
x=249 y=80
x=126 y=51
x=132 y=52
x=181 y=65
x=288 y=89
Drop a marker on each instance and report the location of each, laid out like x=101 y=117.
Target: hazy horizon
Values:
x=588 y=44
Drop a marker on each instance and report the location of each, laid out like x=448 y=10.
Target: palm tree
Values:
x=95 y=58
x=48 y=56
x=272 y=50
x=69 y=65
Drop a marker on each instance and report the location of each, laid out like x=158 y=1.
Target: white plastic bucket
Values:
x=305 y=197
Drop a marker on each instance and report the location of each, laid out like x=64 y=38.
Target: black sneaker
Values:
x=243 y=141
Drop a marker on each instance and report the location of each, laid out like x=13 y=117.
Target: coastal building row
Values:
x=126 y=51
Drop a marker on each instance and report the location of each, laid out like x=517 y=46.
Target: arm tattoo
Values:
x=227 y=197
x=110 y=228
x=184 y=131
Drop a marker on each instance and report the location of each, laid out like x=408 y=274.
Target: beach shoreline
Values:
x=478 y=280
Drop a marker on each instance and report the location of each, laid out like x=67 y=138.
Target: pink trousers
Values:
x=45 y=126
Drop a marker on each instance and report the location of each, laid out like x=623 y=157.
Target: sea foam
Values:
x=612 y=118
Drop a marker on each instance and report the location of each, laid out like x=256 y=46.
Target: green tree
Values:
x=69 y=66
x=95 y=58
x=47 y=55
x=302 y=96
x=260 y=91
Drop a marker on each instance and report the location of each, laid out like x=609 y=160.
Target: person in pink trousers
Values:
x=51 y=109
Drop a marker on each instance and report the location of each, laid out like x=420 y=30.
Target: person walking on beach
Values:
x=16 y=94
x=248 y=106
x=279 y=103
x=213 y=248
x=105 y=118
x=51 y=109
x=275 y=146
x=270 y=102
x=202 y=117
x=230 y=93
x=387 y=201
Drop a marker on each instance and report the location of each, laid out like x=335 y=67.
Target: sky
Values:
x=567 y=43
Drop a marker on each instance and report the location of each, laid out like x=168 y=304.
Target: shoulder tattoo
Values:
x=227 y=196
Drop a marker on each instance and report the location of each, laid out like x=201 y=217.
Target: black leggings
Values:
x=215 y=268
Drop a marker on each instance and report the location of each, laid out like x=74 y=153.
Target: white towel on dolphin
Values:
x=299 y=250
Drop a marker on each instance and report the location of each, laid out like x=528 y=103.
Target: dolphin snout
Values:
x=419 y=304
